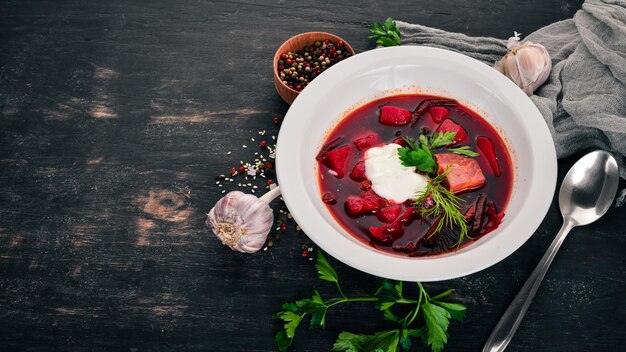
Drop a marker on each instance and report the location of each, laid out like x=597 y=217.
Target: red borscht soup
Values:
x=415 y=175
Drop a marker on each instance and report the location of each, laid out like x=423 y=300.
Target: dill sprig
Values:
x=445 y=204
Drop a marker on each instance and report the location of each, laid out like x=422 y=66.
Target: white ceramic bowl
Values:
x=412 y=69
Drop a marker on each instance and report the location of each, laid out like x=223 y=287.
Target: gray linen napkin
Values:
x=584 y=99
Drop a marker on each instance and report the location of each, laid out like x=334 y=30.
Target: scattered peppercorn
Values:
x=305 y=253
x=268 y=165
x=242 y=169
x=263 y=144
x=233 y=171
x=283 y=227
x=298 y=69
x=269 y=182
x=276 y=120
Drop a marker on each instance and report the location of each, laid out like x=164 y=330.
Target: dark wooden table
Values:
x=116 y=116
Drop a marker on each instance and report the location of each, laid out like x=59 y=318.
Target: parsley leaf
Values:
x=421 y=158
x=440 y=139
x=292 y=320
x=437 y=320
x=384 y=341
x=284 y=337
x=324 y=269
x=463 y=150
x=386 y=34
x=456 y=310
x=282 y=341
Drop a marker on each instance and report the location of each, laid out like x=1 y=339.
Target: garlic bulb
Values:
x=242 y=221
x=528 y=65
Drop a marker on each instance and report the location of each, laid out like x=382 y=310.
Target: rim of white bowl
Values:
x=442 y=267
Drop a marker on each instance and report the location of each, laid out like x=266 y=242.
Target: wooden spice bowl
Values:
x=296 y=43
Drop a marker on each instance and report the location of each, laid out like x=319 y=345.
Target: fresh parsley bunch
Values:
x=427 y=319
x=386 y=34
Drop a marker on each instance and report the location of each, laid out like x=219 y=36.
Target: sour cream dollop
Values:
x=390 y=179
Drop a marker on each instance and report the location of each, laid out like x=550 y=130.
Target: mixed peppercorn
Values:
x=298 y=69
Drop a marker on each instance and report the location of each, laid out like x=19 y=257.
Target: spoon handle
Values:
x=510 y=321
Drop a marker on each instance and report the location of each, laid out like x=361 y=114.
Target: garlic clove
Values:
x=528 y=65
x=242 y=221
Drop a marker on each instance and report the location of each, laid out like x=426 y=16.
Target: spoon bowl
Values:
x=589 y=188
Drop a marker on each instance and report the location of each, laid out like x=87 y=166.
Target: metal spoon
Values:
x=586 y=194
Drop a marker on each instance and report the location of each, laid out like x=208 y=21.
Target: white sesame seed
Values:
x=217 y=182
x=274 y=137
x=239 y=184
x=255 y=187
x=228 y=153
x=252 y=190
x=252 y=139
x=249 y=184
x=223 y=191
x=244 y=146
x=220 y=186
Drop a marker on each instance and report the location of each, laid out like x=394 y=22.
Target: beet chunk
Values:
x=438 y=113
x=389 y=214
x=394 y=116
x=358 y=172
x=365 y=185
x=400 y=141
x=451 y=126
x=407 y=217
x=489 y=152
x=386 y=234
x=354 y=205
x=366 y=202
x=337 y=160
x=367 y=141
x=372 y=201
